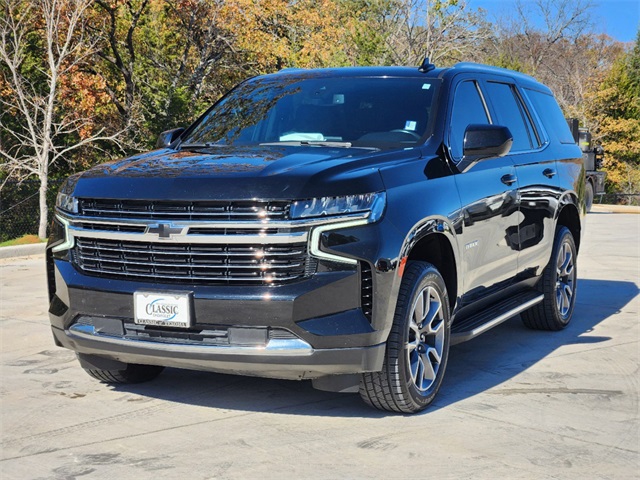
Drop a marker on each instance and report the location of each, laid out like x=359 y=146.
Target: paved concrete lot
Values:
x=515 y=403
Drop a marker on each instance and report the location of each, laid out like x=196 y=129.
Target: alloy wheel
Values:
x=565 y=279
x=426 y=339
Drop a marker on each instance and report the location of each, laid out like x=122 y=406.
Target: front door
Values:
x=488 y=195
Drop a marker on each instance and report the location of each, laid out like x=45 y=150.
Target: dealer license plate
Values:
x=162 y=309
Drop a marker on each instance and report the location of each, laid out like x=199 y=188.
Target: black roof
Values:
x=447 y=72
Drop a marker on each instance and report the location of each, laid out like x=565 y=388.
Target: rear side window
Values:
x=511 y=113
x=468 y=108
x=551 y=115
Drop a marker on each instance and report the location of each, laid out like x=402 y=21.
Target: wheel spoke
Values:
x=565 y=302
x=414 y=327
x=428 y=373
x=567 y=294
x=419 y=377
x=412 y=357
x=418 y=313
x=560 y=260
x=567 y=264
x=432 y=315
x=433 y=353
x=568 y=289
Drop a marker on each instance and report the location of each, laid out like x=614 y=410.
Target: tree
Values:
x=304 y=34
x=164 y=61
x=552 y=40
x=154 y=57
x=615 y=112
x=540 y=25
x=446 y=31
x=41 y=46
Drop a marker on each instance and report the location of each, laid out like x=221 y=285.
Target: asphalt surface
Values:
x=515 y=403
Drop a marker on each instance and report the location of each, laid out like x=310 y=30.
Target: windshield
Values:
x=376 y=112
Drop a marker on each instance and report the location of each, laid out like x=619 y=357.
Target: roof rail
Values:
x=291 y=69
x=479 y=66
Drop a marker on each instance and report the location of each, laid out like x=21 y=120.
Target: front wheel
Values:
x=418 y=345
x=116 y=372
x=558 y=284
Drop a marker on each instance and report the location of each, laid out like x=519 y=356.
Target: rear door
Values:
x=536 y=171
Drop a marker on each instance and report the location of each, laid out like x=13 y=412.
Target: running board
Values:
x=486 y=319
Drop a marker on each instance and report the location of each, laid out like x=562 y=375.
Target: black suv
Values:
x=342 y=225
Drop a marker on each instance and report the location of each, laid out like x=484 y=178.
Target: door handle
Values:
x=509 y=179
x=549 y=172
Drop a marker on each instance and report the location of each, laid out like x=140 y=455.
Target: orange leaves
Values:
x=82 y=97
x=279 y=33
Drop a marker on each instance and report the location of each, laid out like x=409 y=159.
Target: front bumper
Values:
x=288 y=360
x=308 y=329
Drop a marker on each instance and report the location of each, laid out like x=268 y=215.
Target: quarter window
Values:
x=551 y=115
x=468 y=108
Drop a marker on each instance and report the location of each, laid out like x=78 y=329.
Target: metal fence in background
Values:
x=20 y=208
x=618 y=199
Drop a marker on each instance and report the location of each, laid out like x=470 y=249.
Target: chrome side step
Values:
x=487 y=319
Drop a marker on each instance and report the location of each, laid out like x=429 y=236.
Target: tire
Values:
x=417 y=351
x=133 y=373
x=558 y=284
x=588 y=196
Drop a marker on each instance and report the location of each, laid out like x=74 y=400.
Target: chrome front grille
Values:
x=164 y=262
x=185 y=211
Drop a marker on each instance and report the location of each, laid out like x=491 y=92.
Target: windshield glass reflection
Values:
x=334 y=112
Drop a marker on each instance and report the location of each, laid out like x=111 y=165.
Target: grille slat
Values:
x=156 y=264
x=221 y=264
x=232 y=250
x=198 y=210
x=112 y=228
x=214 y=279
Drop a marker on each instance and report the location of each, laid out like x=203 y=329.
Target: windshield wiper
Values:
x=202 y=145
x=311 y=143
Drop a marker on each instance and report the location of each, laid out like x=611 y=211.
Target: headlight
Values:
x=329 y=206
x=66 y=202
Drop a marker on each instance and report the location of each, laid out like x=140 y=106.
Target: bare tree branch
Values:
x=37 y=143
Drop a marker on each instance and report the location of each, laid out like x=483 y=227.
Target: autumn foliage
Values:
x=134 y=68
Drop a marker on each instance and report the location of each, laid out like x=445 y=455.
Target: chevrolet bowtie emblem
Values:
x=164 y=230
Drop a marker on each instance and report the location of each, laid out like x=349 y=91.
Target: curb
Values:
x=602 y=208
x=22 y=250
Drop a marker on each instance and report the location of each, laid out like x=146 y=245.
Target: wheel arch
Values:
x=435 y=248
x=570 y=218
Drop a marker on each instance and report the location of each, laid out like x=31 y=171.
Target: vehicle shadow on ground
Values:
x=474 y=366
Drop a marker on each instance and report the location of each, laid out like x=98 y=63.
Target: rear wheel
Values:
x=418 y=345
x=558 y=284
x=588 y=196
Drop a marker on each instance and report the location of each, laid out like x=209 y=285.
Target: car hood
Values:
x=235 y=173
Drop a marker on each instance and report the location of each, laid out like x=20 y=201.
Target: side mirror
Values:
x=482 y=142
x=167 y=138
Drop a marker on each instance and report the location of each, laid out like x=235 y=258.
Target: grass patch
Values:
x=24 y=240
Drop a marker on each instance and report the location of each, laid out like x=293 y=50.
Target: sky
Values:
x=620 y=19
